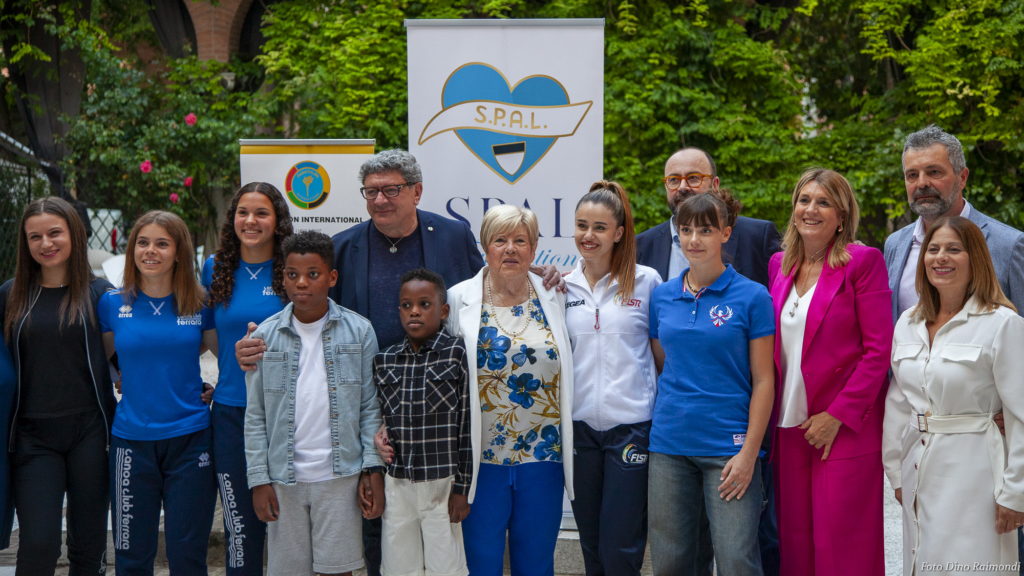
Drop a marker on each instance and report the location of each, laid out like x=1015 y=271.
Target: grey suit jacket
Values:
x=1005 y=244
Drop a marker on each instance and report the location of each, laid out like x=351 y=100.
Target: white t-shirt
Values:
x=792 y=321
x=907 y=295
x=312 y=457
x=614 y=377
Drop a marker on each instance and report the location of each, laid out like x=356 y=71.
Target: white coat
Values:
x=952 y=464
x=465 y=299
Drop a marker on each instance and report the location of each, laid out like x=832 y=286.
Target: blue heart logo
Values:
x=509 y=128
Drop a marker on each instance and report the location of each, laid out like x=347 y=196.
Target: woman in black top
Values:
x=64 y=403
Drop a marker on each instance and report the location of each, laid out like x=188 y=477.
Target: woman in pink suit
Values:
x=833 y=318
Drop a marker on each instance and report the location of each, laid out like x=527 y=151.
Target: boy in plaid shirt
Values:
x=424 y=398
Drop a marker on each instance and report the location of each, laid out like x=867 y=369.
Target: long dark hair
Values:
x=613 y=196
x=76 y=302
x=228 y=256
x=189 y=295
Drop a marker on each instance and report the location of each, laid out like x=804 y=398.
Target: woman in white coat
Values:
x=956 y=362
x=522 y=410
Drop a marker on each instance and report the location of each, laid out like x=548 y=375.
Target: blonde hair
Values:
x=983 y=285
x=189 y=295
x=840 y=194
x=505 y=218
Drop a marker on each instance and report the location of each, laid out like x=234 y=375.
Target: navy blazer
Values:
x=749 y=249
x=449 y=248
x=1005 y=245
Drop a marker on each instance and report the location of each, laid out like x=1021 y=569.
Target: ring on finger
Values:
x=735 y=484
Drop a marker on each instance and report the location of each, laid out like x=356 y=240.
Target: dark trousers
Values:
x=176 y=473
x=610 y=505
x=767 y=532
x=54 y=456
x=244 y=534
x=371 y=545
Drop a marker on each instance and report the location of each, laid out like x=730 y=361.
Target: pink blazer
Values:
x=847 y=345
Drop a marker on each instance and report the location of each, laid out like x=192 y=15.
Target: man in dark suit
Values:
x=372 y=256
x=687 y=172
x=692 y=171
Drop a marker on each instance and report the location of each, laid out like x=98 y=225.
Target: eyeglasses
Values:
x=693 y=180
x=389 y=191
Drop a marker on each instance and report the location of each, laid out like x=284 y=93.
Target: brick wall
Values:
x=217 y=27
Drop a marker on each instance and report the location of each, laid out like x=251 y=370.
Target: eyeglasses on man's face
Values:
x=693 y=180
x=388 y=191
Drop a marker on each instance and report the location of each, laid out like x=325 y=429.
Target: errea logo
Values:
x=204 y=459
x=124 y=311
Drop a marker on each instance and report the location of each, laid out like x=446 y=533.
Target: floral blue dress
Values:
x=518 y=380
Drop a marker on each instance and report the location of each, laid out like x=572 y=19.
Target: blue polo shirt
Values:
x=703 y=404
x=158 y=352
x=252 y=300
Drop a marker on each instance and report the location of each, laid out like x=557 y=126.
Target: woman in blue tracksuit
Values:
x=56 y=413
x=160 y=449
x=607 y=314
x=245 y=281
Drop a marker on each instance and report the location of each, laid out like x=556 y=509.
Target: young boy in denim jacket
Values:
x=424 y=395
x=311 y=413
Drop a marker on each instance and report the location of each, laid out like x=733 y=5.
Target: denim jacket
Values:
x=349 y=347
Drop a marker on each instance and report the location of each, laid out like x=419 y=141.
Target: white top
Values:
x=312 y=457
x=908 y=295
x=953 y=474
x=793 y=407
x=613 y=367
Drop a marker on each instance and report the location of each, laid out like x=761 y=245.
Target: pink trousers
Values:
x=829 y=513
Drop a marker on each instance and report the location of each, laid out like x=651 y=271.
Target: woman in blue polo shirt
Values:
x=245 y=280
x=717 y=332
x=161 y=443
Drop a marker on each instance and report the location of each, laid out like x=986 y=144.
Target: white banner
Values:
x=508 y=112
x=318 y=178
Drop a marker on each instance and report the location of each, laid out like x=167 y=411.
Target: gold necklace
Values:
x=494 y=313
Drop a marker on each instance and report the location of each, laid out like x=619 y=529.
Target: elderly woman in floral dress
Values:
x=522 y=415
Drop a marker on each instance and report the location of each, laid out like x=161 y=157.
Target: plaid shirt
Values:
x=424 y=398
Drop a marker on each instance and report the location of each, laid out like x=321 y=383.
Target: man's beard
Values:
x=935 y=207
x=679 y=197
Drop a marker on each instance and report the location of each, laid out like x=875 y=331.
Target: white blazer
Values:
x=465 y=300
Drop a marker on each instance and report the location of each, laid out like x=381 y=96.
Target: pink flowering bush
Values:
x=190 y=119
x=146 y=167
x=188 y=181
x=174 y=197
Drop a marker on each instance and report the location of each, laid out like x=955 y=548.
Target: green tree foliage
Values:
x=769 y=87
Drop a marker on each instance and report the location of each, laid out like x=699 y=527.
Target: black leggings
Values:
x=53 y=456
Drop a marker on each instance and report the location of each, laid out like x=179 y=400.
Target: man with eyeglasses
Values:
x=692 y=171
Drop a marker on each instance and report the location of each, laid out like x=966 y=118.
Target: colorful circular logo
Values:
x=307 y=185
x=633 y=454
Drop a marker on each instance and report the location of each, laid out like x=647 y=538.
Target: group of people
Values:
x=391 y=397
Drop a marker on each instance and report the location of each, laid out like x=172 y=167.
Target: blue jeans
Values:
x=523 y=501
x=680 y=486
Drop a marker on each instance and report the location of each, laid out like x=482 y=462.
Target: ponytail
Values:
x=611 y=195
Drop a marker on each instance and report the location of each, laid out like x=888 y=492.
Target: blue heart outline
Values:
x=536 y=90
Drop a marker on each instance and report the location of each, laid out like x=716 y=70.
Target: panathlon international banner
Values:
x=508 y=112
x=319 y=178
